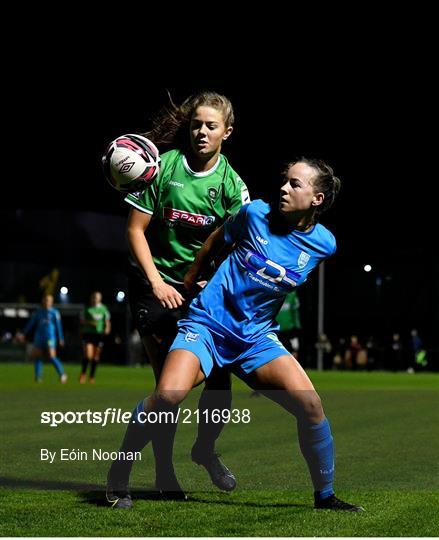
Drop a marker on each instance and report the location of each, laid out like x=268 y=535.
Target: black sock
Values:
x=137 y=436
x=94 y=365
x=163 y=435
x=209 y=431
x=84 y=365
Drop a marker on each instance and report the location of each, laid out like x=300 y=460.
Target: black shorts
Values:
x=95 y=339
x=148 y=314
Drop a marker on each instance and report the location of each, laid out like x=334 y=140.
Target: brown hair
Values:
x=171 y=123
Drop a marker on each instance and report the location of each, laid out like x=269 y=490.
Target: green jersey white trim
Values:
x=200 y=174
x=186 y=207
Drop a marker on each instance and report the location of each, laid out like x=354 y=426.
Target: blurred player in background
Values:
x=95 y=326
x=275 y=250
x=45 y=323
x=288 y=319
x=195 y=192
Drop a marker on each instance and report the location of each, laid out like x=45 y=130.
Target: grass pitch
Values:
x=385 y=426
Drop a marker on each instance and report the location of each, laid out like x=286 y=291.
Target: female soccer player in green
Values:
x=195 y=193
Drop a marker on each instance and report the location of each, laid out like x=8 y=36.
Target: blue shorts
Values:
x=44 y=343
x=214 y=349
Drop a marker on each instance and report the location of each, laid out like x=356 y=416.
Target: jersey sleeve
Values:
x=235 y=225
x=59 y=325
x=148 y=200
x=237 y=195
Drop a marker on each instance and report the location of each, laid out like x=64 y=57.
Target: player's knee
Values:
x=310 y=408
x=166 y=399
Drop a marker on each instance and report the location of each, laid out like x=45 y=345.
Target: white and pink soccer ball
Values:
x=131 y=163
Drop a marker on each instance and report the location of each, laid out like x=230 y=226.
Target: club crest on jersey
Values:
x=213 y=193
x=187 y=219
x=190 y=336
x=303 y=259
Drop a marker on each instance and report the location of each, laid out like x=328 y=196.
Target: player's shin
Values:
x=317 y=446
x=137 y=436
x=163 y=435
x=208 y=431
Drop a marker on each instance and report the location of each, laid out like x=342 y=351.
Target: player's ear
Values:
x=227 y=133
x=318 y=199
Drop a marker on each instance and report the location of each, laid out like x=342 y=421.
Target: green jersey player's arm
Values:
x=213 y=245
x=137 y=225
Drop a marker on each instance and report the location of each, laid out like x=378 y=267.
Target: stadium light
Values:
x=64 y=291
x=120 y=296
x=367 y=268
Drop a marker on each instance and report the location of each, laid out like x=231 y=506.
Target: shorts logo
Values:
x=213 y=193
x=274 y=338
x=303 y=259
x=187 y=219
x=190 y=336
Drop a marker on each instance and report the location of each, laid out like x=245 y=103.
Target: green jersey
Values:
x=289 y=316
x=98 y=314
x=186 y=206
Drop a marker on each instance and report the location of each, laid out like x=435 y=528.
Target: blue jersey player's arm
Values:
x=31 y=323
x=59 y=326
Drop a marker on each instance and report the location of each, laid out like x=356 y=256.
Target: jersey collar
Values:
x=201 y=174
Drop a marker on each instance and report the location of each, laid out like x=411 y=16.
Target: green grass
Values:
x=386 y=430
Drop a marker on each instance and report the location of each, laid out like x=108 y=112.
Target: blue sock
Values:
x=58 y=366
x=38 y=365
x=317 y=448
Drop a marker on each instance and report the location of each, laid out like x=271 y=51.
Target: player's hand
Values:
x=61 y=343
x=167 y=295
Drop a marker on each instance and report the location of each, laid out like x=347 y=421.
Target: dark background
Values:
x=367 y=115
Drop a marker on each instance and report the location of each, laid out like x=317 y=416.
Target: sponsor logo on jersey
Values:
x=213 y=193
x=303 y=259
x=176 y=184
x=262 y=240
x=188 y=219
x=190 y=336
x=273 y=274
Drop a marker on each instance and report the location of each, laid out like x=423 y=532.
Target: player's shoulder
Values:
x=170 y=156
x=325 y=238
x=231 y=176
x=258 y=208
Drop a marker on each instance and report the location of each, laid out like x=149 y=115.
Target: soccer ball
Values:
x=131 y=163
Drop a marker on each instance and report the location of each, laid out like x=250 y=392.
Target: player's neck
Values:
x=197 y=164
x=299 y=222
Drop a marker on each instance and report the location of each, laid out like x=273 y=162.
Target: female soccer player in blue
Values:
x=46 y=324
x=232 y=321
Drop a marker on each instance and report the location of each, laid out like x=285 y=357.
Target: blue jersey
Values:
x=46 y=323
x=242 y=299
